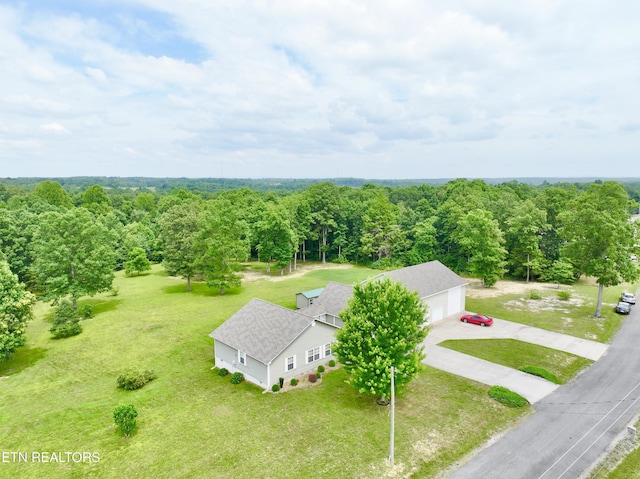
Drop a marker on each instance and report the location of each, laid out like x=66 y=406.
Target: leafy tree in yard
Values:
x=561 y=271
x=600 y=237
x=526 y=227
x=276 y=240
x=424 y=241
x=124 y=416
x=17 y=228
x=178 y=228
x=73 y=255
x=480 y=237
x=137 y=263
x=381 y=233
x=383 y=327
x=66 y=321
x=324 y=203
x=16 y=309
x=221 y=245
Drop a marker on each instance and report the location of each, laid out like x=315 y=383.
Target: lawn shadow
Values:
x=99 y=305
x=22 y=359
x=199 y=289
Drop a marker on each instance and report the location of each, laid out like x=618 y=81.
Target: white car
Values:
x=628 y=298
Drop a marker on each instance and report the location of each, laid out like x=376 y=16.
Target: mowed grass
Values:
x=518 y=354
x=59 y=395
x=574 y=317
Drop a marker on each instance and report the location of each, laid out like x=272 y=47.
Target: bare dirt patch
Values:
x=301 y=269
x=476 y=290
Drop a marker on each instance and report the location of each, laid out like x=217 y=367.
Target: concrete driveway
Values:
x=531 y=387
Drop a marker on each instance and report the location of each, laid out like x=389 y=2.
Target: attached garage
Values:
x=442 y=290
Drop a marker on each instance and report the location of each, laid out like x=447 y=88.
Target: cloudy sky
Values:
x=320 y=88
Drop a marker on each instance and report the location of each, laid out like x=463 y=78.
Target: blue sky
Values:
x=316 y=89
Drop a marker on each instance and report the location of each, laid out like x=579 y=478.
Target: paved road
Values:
x=574 y=425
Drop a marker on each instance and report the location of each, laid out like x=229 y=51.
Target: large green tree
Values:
x=384 y=326
x=480 y=237
x=275 y=238
x=179 y=226
x=53 y=193
x=16 y=309
x=600 y=238
x=324 y=203
x=525 y=229
x=381 y=233
x=74 y=255
x=222 y=244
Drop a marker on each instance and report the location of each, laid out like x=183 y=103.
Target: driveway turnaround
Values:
x=531 y=387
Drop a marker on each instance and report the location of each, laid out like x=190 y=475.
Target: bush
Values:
x=507 y=397
x=540 y=372
x=313 y=378
x=223 y=372
x=87 y=311
x=564 y=295
x=135 y=379
x=321 y=369
x=237 y=378
x=125 y=418
x=281 y=382
x=318 y=375
x=533 y=294
x=275 y=388
x=65 y=321
x=294 y=382
x=332 y=363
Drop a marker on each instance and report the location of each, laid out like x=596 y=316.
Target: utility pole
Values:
x=393 y=406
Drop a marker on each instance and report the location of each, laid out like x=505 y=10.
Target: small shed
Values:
x=305 y=299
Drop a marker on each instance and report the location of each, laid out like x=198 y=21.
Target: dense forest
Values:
x=65 y=237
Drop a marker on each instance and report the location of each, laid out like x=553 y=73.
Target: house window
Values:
x=242 y=358
x=313 y=354
x=327 y=350
x=290 y=363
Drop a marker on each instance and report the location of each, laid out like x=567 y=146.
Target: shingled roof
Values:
x=332 y=300
x=427 y=278
x=261 y=329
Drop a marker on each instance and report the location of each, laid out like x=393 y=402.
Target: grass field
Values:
x=518 y=354
x=574 y=317
x=58 y=397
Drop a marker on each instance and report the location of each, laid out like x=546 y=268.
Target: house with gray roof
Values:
x=267 y=342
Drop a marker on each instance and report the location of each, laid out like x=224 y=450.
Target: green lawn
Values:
x=574 y=317
x=517 y=354
x=58 y=396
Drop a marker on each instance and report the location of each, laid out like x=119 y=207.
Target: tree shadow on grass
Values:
x=199 y=289
x=99 y=305
x=22 y=359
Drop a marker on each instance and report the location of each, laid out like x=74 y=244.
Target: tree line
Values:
x=65 y=244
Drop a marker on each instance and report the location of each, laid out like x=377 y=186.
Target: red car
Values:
x=480 y=319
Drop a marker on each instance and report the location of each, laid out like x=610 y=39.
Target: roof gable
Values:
x=427 y=279
x=332 y=300
x=262 y=329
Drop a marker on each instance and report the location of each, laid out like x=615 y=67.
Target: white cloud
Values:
x=54 y=127
x=339 y=85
